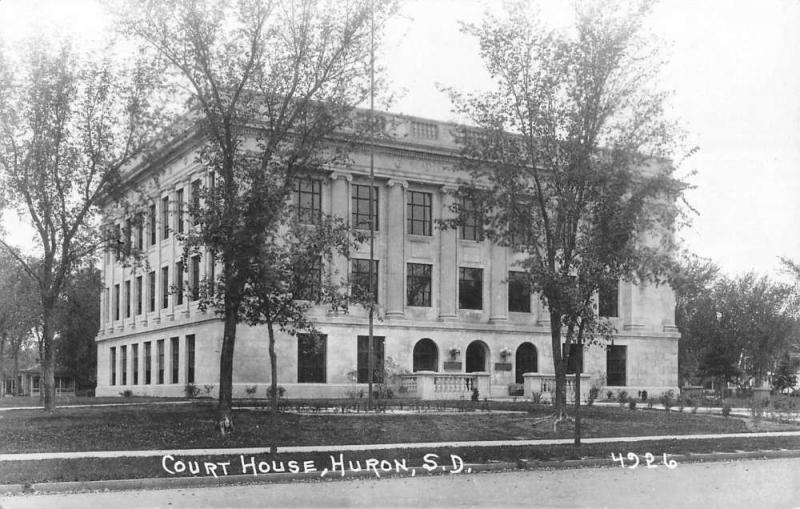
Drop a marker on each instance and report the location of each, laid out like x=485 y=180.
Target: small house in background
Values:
x=29 y=382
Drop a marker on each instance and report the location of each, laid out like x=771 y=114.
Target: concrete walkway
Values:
x=375 y=447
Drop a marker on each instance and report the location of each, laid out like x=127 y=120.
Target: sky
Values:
x=734 y=68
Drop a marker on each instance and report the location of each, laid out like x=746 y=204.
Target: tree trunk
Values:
x=559 y=366
x=16 y=371
x=579 y=365
x=47 y=384
x=224 y=409
x=273 y=367
x=2 y=365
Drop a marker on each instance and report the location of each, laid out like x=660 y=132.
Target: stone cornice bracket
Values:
x=394 y=182
x=449 y=188
x=341 y=175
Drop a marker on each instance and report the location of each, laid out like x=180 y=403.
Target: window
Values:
x=116 y=302
x=572 y=361
x=139 y=231
x=361 y=209
x=123 y=357
x=151 y=285
x=311 y=353
x=424 y=130
x=360 y=277
x=608 y=298
x=127 y=242
x=160 y=348
x=472 y=227
x=616 y=357
x=119 y=244
x=138 y=291
x=127 y=299
x=175 y=356
x=308 y=281
x=418 y=285
x=196 y=202
x=419 y=213
x=106 y=307
x=147 y=363
x=519 y=292
x=164 y=287
x=165 y=217
x=113 y=365
x=135 y=366
x=195 y=289
x=470 y=288
x=190 y=359
x=179 y=283
x=179 y=210
x=363 y=359
x=152 y=217
x=308 y=200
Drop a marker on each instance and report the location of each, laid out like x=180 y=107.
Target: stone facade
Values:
x=141 y=319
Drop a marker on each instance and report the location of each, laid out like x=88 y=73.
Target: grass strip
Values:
x=29 y=472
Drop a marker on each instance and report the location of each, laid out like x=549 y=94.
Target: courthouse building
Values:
x=453 y=314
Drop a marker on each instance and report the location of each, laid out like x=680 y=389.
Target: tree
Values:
x=567 y=163
x=19 y=313
x=78 y=322
x=69 y=122
x=269 y=84
x=733 y=328
x=693 y=280
x=290 y=282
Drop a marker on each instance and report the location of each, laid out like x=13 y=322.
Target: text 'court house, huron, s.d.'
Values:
x=454 y=314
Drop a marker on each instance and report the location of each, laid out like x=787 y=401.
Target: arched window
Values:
x=426 y=355
x=526 y=361
x=477 y=355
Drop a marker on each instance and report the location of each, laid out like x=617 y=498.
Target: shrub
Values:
x=649 y=403
x=250 y=390
x=622 y=397
x=610 y=395
x=536 y=397
x=726 y=409
x=281 y=391
x=208 y=388
x=127 y=393
x=643 y=395
x=667 y=400
x=594 y=391
x=475 y=394
x=632 y=403
x=191 y=390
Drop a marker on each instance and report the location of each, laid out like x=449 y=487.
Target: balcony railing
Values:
x=430 y=385
x=545 y=385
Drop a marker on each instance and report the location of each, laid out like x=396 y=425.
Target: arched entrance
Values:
x=477 y=354
x=526 y=361
x=426 y=355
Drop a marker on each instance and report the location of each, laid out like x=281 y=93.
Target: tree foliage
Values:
x=70 y=121
x=78 y=320
x=567 y=163
x=269 y=84
x=19 y=314
x=733 y=329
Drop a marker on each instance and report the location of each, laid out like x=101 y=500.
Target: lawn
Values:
x=182 y=426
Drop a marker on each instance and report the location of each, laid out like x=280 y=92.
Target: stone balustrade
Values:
x=430 y=385
x=545 y=384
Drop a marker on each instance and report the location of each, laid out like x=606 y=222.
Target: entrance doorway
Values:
x=526 y=361
x=477 y=353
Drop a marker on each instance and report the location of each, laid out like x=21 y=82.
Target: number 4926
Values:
x=649 y=460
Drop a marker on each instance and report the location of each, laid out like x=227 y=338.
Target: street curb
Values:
x=468 y=468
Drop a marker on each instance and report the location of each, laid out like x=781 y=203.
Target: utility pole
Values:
x=372 y=289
